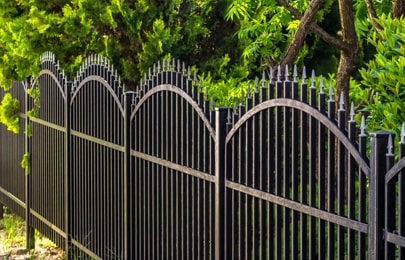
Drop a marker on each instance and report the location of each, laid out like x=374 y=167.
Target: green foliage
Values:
x=266 y=29
x=384 y=78
x=34 y=93
x=9 y=113
x=26 y=162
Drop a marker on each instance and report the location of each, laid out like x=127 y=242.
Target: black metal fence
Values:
x=160 y=174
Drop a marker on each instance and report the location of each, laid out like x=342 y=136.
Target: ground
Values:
x=12 y=242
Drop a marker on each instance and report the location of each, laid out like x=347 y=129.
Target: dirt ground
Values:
x=12 y=242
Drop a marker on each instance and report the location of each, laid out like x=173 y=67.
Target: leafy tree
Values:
x=133 y=34
x=383 y=93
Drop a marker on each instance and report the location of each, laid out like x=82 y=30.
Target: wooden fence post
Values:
x=220 y=127
x=379 y=142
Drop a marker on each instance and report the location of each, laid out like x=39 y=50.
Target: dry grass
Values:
x=12 y=241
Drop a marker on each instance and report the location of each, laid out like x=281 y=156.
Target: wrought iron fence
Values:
x=159 y=173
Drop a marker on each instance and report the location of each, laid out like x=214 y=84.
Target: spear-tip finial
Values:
x=331 y=92
x=278 y=73
x=295 y=73
x=256 y=84
x=286 y=73
x=403 y=133
x=352 y=113
x=321 y=85
x=342 y=101
x=304 y=73
x=313 y=79
x=363 y=125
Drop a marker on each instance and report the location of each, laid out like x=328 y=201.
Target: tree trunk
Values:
x=301 y=33
x=398 y=9
x=347 y=55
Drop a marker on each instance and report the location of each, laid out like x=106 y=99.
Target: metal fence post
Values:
x=220 y=127
x=378 y=167
x=67 y=179
x=30 y=231
x=127 y=169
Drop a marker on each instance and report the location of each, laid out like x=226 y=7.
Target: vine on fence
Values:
x=9 y=113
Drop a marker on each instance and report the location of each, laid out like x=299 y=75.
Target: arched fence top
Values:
x=105 y=84
x=313 y=112
x=181 y=93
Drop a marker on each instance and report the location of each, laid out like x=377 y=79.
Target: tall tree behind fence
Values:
x=158 y=174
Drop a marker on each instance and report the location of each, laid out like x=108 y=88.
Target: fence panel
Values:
x=394 y=225
x=46 y=148
x=12 y=149
x=140 y=175
x=288 y=196
x=97 y=162
x=172 y=199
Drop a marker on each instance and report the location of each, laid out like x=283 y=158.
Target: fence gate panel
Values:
x=395 y=205
x=172 y=191
x=97 y=162
x=12 y=148
x=287 y=196
x=47 y=147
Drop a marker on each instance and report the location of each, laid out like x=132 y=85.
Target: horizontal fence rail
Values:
x=159 y=174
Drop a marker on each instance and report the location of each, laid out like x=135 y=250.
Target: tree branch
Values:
x=316 y=28
x=373 y=15
x=302 y=31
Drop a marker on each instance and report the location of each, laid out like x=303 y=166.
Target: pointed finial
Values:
x=342 y=101
x=304 y=73
x=178 y=65
x=362 y=125
x=188 y=72
x=212 y=102
x=331 y=93
x=403 y=133
x=313 y=79
x=163 y=65
x=195 y=76
x=390 y=146
x=278 y=73
x=295 y=73
x=352 y=113
x=256 y=84
x=321 y=86
x=149 y=73
x=271 y=74
x=286 y=73
x=154 y=68
x=263 y=78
